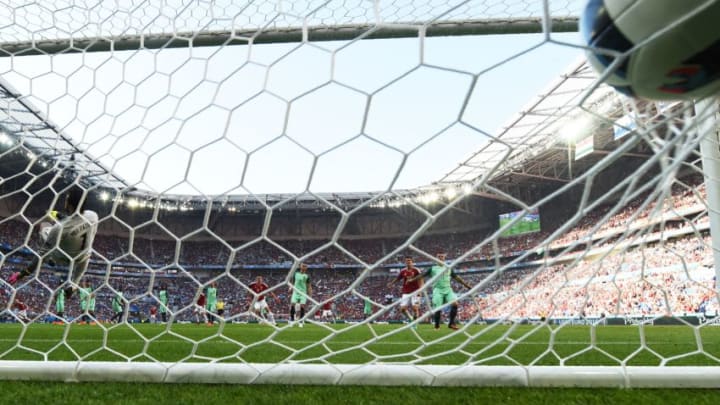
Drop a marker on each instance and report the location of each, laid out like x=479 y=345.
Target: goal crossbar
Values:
x=319 y=33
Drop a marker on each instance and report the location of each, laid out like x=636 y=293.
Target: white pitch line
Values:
x=336 y=342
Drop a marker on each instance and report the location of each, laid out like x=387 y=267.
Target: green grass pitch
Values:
x=485 y=345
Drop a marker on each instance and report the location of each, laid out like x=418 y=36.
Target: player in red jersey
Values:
x=327 y=311
x=153 y=314
x=410 y=289
x=199 y=310
x=259 y=305
x=21 y=311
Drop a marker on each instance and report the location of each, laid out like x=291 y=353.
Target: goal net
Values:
x=214 y=191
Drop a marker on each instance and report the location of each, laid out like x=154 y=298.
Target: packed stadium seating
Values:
x=676 y=265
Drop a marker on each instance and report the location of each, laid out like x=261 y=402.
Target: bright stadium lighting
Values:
x=429 y=198
x=132 y=203
x=104 y=196
x=575 y=128
x=5 y=139
x=467 y=188
x=450 y=192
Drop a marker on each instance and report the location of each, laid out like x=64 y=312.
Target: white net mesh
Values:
x=217 y=169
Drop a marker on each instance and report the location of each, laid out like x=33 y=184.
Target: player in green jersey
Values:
x=442 y=292
x=87 y=301
x=301 y=290
x=367 y=310
x=117 y=307
x=211 y=301
x=91 y=307
x=60 y=304
x=163 y=296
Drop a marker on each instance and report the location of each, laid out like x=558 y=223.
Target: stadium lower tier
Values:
x=669 y=278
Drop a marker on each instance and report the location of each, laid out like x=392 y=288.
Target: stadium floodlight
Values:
x=173 y=93
x=467 y=188
x=575 y=128
x=5 y=139
x=450 y=192
x=429 y=197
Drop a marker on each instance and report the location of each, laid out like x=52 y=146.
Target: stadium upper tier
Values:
x=685 y=209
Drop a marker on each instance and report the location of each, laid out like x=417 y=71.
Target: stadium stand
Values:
x=678 y=277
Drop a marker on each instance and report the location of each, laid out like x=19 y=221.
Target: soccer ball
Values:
x=681 y=62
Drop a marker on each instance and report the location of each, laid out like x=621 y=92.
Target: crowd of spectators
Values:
x=658 y=274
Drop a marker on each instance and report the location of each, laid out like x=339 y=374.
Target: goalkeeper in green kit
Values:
x=442 y=292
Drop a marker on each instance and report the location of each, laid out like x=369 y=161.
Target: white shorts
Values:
x=326 y=313
x=258 y=306
x=412 y=299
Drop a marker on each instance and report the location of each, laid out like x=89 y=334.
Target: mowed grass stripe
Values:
x=481 y=344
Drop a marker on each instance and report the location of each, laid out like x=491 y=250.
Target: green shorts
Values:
x=441 y=298
x=211 y=307
x=298 y=298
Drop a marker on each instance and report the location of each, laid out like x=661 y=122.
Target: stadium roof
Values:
x=531 y=145
x=41 y=139
x=548 y=123
x=97 y=28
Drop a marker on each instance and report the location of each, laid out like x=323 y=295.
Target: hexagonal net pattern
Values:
x=285 y=192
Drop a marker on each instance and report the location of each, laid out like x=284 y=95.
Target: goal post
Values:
x=710 y=151
x=229 y=152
